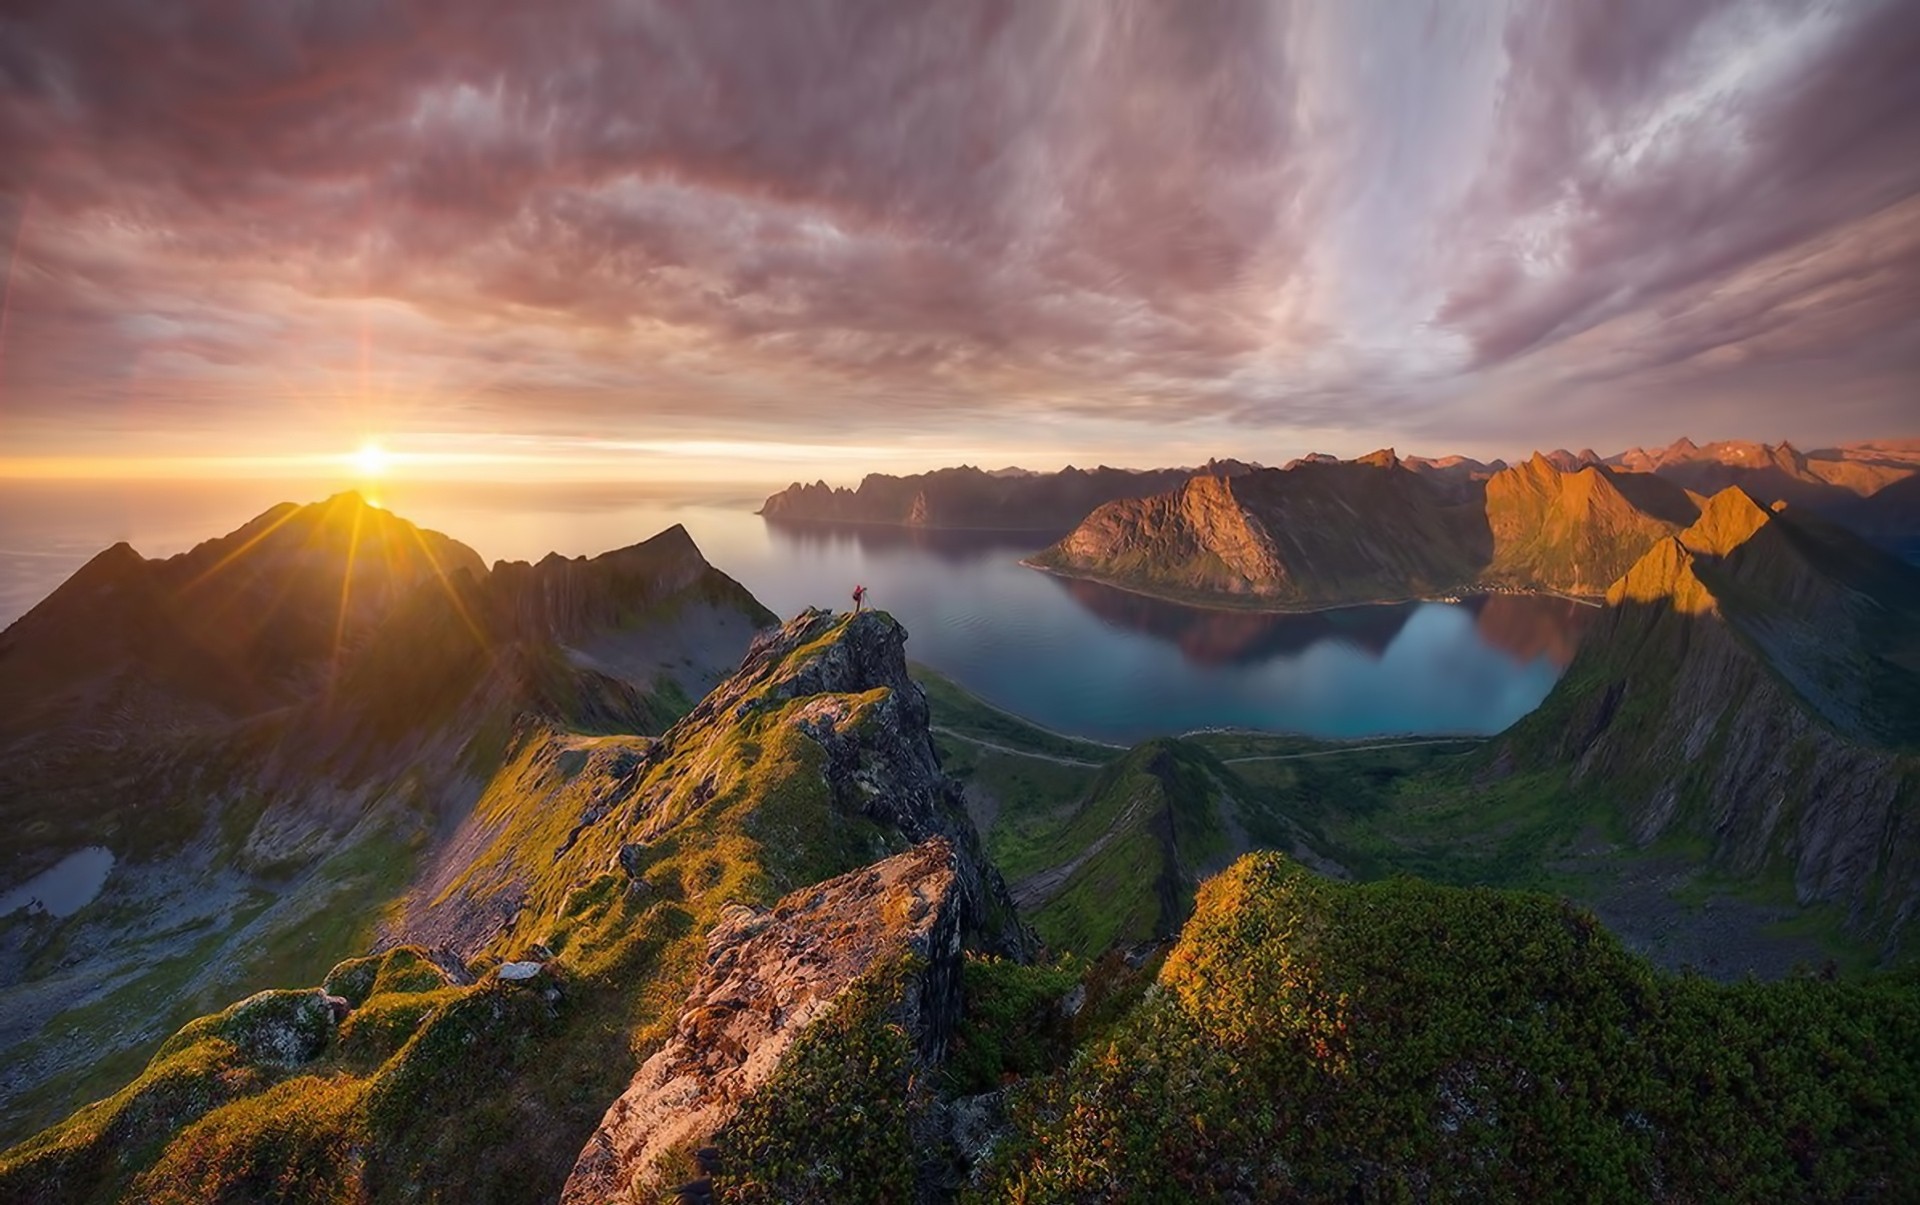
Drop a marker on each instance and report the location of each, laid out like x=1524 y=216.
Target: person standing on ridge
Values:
x=859 y=597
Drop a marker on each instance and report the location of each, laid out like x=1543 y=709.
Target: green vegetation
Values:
x=487 y=1092
x=834 y=1123
x=1011 y=1025
x=1399 y=1040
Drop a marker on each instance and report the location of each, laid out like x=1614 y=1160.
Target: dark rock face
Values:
x=882 y=765
x=768 y=975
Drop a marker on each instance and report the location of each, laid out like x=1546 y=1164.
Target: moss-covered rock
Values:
x=1319 y=1040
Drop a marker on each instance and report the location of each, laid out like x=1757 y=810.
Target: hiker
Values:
x=859 y=597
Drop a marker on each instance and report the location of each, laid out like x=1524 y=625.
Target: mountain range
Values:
x=589 y=880
x=1019 y=499
x=1323 y=532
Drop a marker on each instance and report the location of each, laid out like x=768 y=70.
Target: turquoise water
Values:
x=1074 y=656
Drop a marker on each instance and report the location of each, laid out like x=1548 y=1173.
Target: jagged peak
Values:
x=674 y=541
x=1727 y=521
x=1384 y=458
x=1666 y=573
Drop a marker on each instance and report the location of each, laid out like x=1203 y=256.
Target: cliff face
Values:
x=968 y=497
x=1324 y=533
x=1753 y=683
x=1317 y=534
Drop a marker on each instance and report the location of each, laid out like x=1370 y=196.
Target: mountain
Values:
x=283 y=724
x=967 y=497
x=1325 y=533
x=1458 y=476
x=1890 y=518
x=255 y=619
x=1315 y=535
x=1829 y=477
x=1754 y=685
x=784 y=877
x=1574 y=530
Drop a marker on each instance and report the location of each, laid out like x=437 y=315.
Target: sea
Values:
x=1077 y=657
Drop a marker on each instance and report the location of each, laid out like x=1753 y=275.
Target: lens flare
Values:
x=372 y=460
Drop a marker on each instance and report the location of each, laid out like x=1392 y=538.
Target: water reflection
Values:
x=1219 y=637
x=1526 y=628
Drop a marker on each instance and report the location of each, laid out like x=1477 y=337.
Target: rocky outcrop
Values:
x=871 y=720
x=767 y=976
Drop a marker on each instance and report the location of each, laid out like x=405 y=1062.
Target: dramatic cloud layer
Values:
x=1136 y=228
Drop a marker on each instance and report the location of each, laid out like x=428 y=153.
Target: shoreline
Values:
x=1226 y=605
x=788 y=521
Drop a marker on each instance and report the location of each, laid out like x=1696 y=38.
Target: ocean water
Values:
x=1074 y=656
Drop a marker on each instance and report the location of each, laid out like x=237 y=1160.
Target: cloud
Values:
x=846 y=221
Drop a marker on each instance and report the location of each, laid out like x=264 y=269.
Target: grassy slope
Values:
x=1432 y=810
x=488 y=1091
x=1399 y=1040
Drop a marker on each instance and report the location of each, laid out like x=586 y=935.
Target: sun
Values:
x=372 y=460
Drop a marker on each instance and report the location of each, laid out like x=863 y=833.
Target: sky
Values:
x=662 y=238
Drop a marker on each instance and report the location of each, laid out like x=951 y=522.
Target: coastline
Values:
x=1227 y=605
x=1053 y=529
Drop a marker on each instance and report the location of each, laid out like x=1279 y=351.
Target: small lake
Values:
x=63 y=888
x=1075 y=656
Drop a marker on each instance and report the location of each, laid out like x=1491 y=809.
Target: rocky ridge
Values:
x=1752 y=683
x=596 y=867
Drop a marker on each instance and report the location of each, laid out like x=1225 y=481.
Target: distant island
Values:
x=1008 y=499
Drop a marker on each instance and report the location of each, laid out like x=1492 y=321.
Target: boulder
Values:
x=769 y=973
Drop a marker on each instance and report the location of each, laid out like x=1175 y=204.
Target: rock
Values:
x=338 y=1006
x=767 y=976
x=518 y=972
x=974 y=1125
x=882 y=764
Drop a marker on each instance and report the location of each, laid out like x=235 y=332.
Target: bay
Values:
x=1078 y=657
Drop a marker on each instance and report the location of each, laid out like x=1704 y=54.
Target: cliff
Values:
x=1318 y=534
x=1325 y=533
x=769 y=975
